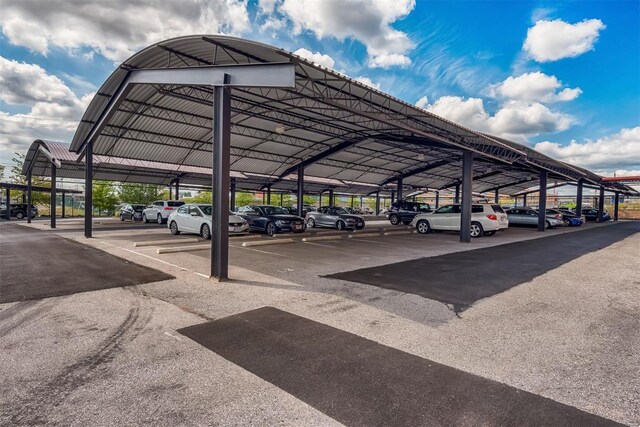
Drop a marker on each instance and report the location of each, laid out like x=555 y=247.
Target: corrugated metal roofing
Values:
x=275 y=130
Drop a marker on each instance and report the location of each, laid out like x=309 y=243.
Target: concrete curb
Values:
x=182 y=249
x=165 y=242
x=353 y=236
x=316 y=238
x=396 y=233
x=267 y=242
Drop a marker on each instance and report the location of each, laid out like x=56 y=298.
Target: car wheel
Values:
x=121 y=217
x=566 y=222
x=547 y=224
x=476 y=230
x=159 y=219
x=271 y=229
x=489 y=233
x=174 y=228
x=423 y=226
x=205 y=232
x=311 y=223
x=145 y=219
x=341 y=225
x=394 y=219
x=19 y=215
x=359 y=227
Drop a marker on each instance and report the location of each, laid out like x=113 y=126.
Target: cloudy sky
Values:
x=561 y=77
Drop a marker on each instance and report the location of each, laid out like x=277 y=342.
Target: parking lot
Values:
x=551 y=336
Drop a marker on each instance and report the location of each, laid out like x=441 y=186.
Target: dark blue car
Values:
x=591 y=214
x=271 y=219
x=569 y=219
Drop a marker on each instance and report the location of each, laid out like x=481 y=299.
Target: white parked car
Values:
x=486 y=219
x=197 y=219
x=160 y=210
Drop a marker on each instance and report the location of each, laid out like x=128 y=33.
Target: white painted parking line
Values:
x=166 y=242
x=155 y=259
x=319 y=244
x=183 y=249
x=267 y=242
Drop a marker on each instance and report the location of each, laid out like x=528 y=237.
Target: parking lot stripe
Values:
x=318 y=244
x=353 y=236
x=268 y=242
x=183 y=249
x=155 y=259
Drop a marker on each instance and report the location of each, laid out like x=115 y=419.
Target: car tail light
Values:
x=558 y=216
x=168 y=208
x=493 y=217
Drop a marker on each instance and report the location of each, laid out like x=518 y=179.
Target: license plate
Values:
x=237 y=229
x=296 y=226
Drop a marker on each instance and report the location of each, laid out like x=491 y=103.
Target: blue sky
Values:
x=467 y=61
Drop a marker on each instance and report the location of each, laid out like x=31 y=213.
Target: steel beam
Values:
x=524 y=200
x=220 y=183
x=542 y=201
x=281 y=194
x=52 y=213
x=417 y=170
x=437 y=199
x=457 y=196
x=377 y=203
x=232 y=203
x=601 y=204
x=177 y=189
x=330 y=197
x=579 y=198
x=63 y=202
x=467 y=187
x=300 y=190
x=399 y=194
x=496 y=197
x=88 y=190
x=269 y=194
x=29 y=201
x=7 y=202
x=616 y=204
x=393 y=196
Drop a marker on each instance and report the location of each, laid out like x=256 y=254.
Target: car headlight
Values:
x=282 y=222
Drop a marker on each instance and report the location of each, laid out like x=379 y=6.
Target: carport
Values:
x=228 y=104
x=27 y=189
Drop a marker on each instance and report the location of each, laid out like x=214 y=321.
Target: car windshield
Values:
x=275 y=210
x=497 y=209
x=341 y=211
x=175 y=204
x=139 y=208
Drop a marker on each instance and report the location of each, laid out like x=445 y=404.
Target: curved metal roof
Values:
x=334 y=126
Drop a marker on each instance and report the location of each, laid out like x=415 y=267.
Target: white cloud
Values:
x=515 y=120
x=367 y=81
x=617 y=151
x=422 y=103
x=54 y=108
x=317 y=57
x=368 y=21
x=534 y=87
x=389 y=60
x=554 y=40
x=116 y=28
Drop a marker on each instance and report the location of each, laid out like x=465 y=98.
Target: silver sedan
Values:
x=334 y=217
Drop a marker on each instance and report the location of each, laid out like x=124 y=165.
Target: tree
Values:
x=37 y=197
x=1 y=172
x=104 y=196
x=243 y=199
x=202 y=197
x=138 y=193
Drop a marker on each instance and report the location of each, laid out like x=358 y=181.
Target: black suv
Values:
x=19 y=210
x=403 y=212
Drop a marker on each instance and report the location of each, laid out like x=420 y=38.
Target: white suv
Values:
x=160 y=210
x=486 y=219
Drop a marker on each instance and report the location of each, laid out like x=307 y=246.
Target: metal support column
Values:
x=496 y=197
x=579 y=198
x=232 y=202
x=29 y=198
x=220 y=182
x=524 y=200
x=377 y=203
x=269 y=194
x=601 y=204
x=352 y=201
x=330 y=197
x=281 y=194
x=177 y=189
x=399 y=194
x=542 y=202
x=300 y=190
x=361 y=203
x=457 y=196
x=63 y=202
x=465 y=209
x=7 y=202
x=393 y=197
x=88 y=190
x=52 y=213
x=616 y=205
x=437 y=199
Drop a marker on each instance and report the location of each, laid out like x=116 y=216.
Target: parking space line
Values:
x=155 y=259
x=261 y=251
x=319 y=244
